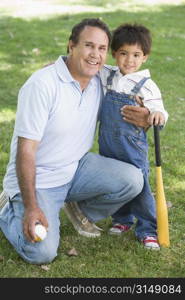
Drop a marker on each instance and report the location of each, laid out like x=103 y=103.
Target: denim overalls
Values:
x=126 y=142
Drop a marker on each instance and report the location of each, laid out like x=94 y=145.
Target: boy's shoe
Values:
x=150 y=242
x=118 y=229
x=80 y=222
x=3 y=199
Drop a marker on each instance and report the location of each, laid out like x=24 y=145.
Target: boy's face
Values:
x=129 y=58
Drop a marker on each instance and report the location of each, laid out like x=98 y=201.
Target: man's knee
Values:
x=123 y=176
x=131 y=180
x=39 y=253
x=137 y=181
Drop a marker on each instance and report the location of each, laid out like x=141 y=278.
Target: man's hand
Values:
x=136 y=115
x=31 y=217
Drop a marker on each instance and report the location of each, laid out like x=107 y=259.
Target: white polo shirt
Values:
x=53 y=110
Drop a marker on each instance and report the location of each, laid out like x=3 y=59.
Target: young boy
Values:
x=125 y=85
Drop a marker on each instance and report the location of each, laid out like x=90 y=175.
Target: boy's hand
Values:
x=156 y=118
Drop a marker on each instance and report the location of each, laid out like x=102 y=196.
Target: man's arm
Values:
x=25 y=167
x=136 y=115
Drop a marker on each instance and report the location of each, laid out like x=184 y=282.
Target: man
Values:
x=49 y=162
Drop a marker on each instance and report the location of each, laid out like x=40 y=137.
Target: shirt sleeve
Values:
x=32 y=111
x=152 y=98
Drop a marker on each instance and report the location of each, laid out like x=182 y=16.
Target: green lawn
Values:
x=28 y=43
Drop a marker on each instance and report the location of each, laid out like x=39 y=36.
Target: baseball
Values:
x=41 y=232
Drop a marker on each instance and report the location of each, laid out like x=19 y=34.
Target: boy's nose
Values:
x=129 y=58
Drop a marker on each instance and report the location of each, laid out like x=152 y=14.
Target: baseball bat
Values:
x=161 y=206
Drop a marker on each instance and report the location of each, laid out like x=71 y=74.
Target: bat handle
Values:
x=157 y=145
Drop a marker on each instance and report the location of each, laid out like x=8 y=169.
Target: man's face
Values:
x=129 y=58
x=88 y=56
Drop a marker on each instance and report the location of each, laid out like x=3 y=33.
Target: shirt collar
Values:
x=142 y=73
x=64 y=74
x=62 y=69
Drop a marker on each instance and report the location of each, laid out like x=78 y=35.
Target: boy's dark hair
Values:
x=132 y=34
x=93 y=22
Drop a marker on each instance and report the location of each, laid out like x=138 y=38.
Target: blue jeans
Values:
x=126 y=142
x=92 y=187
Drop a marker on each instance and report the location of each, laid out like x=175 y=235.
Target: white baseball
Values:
x=41 y=232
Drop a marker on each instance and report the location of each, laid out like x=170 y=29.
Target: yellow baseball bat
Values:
x=161 y=206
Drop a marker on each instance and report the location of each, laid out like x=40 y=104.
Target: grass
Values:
x=28 y=43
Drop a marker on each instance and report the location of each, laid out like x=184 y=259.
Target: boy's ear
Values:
x=145 y=58
x=113 y=53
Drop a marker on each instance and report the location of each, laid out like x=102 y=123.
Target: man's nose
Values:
x=94 y=52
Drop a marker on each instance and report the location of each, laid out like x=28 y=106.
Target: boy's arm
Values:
x=153 y=101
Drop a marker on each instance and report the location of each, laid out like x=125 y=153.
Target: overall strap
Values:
x=110 y=78
x=139 y=85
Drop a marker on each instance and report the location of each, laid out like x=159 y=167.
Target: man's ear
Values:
x=70 y=47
